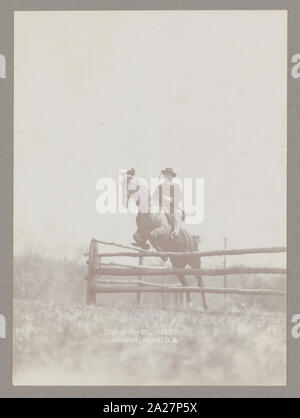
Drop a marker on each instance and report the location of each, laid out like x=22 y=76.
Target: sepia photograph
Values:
x=150 y=198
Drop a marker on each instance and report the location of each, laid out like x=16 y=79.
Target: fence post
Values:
x=139 y=294
x=91 y=279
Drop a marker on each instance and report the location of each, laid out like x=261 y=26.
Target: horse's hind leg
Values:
x=200 y=284
x=197 y=264
x=183 y=281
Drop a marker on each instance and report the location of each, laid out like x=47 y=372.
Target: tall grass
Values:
x=59 y=340
x=40 y=278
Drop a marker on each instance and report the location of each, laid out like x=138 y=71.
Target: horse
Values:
x=156 y=228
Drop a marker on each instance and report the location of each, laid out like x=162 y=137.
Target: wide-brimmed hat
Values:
x=169 y=171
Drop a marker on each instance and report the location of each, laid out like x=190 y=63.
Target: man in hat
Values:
x=168 y=194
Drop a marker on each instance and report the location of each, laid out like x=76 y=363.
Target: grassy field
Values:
x=73 y=344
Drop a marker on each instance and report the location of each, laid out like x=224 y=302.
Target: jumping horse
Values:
x=155 y=227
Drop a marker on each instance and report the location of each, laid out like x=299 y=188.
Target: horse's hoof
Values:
x=140 y=245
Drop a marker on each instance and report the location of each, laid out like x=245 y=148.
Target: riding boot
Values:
x=176 y=226
x=172 y=222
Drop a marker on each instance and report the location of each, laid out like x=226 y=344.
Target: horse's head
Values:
x=137 y=192
x=131 y=193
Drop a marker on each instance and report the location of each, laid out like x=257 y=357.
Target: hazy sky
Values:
x=201 y=92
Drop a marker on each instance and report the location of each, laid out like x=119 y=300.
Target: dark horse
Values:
x=156 y=228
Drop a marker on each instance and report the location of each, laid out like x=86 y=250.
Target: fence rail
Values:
x=175 y=289
x=153 y=271
x=97 y=269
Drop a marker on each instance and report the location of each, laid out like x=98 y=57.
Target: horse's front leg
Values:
x=158 y=232
x=154 y=238
x=140 y=241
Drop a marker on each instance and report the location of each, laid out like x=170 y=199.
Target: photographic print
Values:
x=150 y=198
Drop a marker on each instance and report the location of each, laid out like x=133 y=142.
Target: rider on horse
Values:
x=168 y=194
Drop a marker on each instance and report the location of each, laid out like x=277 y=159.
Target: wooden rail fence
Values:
x=96 y=269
